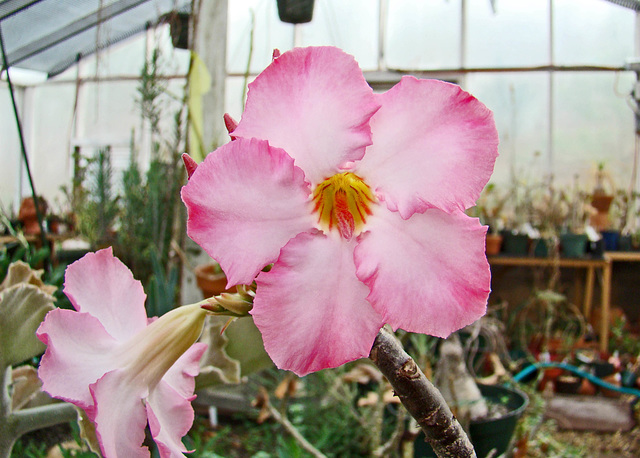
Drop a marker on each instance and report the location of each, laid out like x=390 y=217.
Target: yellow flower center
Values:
x=343 y=202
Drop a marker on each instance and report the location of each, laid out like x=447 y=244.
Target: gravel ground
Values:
x=550 y=441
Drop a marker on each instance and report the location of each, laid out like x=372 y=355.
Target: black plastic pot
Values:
x=515 y=244
x=295 y=11
x=179 y=29
x=494 y=433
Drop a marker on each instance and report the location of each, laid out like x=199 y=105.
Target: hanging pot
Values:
x=179 y=29
x=295 y=11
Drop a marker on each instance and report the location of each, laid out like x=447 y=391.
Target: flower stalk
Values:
x=421 y=399
x=15 y=424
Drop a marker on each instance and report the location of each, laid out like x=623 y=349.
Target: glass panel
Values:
x=593 y=123
x=234 y=102
x=423 y=34
x=520 y=106
x=350 y=25
x=515 y=35
x=268 y=34
x=592 y=32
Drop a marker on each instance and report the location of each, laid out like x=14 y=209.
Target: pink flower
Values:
x=121 y=370
x=357 y=199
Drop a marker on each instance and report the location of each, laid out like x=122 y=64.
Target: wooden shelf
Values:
x=590 y=265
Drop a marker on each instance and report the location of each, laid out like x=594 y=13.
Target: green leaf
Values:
x=22 y=309
x=236 y=352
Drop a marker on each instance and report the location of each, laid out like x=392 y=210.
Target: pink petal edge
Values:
x=181 y=375
x=315 y=104
x=170 y=418
x=428 y=274
x=101 y=285
x=245 y=201
x=120 y=415
x=77 y=344
x=434 y=145
x=311 y=308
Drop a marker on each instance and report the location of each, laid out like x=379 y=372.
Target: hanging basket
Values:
x=295 y=11
x=179 y=29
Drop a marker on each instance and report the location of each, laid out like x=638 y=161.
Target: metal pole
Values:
x=551 y=90
x=43 y=235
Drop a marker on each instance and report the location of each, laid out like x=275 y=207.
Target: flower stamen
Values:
x=343 y=202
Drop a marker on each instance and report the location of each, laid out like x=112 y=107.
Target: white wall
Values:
x=9 y=151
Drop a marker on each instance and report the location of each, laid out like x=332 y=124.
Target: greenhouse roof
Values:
x=632 y=4
x=51 y=35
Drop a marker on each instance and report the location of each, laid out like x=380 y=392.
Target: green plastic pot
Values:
x=573 y=245
x=494 y=433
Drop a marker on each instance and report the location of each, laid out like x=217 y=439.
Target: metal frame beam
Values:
x=10 y=7
x=69 y=31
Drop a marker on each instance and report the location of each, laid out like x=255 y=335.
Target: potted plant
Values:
x=573 y=239
x=601 y=198
x=550 y=209
x=211 y=280
x=490 y=411
x=517 y=219
x=619 y=236
x=489 y=210
x=28 y=215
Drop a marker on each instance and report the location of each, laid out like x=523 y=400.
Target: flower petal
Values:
x=311 y=308
x=428 y=274
x=245 y=201
x=434 y=145
x=120 y=415
x=78 y=353
x=170 y=418
x=100 y=284
x=315 y=104
x=181 y=375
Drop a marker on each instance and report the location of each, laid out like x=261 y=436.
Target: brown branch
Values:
x=421 y=399
x=304 y=443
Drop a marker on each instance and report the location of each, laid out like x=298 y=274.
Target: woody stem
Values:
x=421 y=399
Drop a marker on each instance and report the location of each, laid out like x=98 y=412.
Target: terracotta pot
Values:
x=28 y=215
x=601 y=202
x=210 y=281
x=587 y=388
x=615 y=380
x=494 y=244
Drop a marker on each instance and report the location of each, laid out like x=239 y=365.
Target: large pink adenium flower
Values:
x=356 y=198
x=123 y=371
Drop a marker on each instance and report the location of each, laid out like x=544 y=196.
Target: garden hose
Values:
x=592 y=378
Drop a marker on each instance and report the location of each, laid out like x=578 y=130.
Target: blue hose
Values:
x=592 y=378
